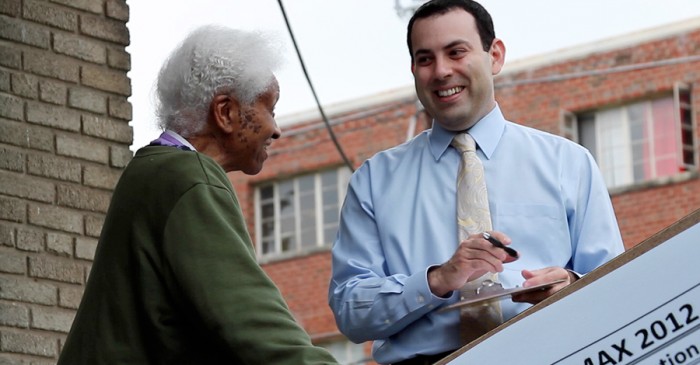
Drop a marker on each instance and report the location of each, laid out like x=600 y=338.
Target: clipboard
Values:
x=495 y=291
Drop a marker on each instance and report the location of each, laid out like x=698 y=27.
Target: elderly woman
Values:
x=175 y=280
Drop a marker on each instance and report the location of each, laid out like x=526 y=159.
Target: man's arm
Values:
x=368 y=302
x=593 y=226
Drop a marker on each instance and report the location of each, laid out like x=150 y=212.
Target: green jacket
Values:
x=175 y=279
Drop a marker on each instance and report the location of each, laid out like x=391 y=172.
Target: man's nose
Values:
x=443 y=68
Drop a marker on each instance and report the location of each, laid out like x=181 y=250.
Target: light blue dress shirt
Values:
x=398 y=219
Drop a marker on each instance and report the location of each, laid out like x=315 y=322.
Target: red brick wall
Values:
x=642 y=211
x=306 y=291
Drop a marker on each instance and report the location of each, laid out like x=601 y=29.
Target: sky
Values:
x=357 y=48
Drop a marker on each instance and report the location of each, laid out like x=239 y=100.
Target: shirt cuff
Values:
x=575 y=274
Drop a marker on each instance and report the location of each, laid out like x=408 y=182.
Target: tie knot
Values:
x=464 y=142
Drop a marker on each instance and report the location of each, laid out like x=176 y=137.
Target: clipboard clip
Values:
x=487 y=288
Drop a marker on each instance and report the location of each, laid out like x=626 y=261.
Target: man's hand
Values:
x=474 y=257
x=543 y=276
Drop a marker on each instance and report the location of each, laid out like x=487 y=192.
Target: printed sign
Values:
x=645 y=311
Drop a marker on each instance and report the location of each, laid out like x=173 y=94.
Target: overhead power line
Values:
x=313 y=91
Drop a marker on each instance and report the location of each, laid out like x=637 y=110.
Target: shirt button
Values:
x=421 y=299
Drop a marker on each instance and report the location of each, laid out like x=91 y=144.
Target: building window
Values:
x=346 y=352
x=296 y=215
x=641 y=141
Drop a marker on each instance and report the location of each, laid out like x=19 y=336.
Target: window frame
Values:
x=342 y=177
x=678 y=88
x=570 y=124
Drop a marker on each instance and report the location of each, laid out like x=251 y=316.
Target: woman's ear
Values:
x=224 y=112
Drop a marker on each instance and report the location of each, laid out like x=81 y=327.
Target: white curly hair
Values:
x=210 y=60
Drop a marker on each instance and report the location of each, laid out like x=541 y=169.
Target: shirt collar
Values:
x=486 y=132
x=179 y=138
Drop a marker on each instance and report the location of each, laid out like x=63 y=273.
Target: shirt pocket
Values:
x=532 y=224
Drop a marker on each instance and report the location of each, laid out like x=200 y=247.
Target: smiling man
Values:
x=453 y=70
x=398 y=257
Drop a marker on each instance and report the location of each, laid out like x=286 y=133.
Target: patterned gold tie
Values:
x=474 y=216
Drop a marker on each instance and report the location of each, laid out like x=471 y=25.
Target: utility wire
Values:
x=313 y=91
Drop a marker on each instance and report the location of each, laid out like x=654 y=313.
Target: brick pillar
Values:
x=64 y=139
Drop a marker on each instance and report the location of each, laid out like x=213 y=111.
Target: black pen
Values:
x=496 y=243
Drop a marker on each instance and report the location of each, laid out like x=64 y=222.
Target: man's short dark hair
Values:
x=484 y=23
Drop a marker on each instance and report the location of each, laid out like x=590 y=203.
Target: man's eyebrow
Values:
x=458 y=42
x=421 y=52
x=454 y=43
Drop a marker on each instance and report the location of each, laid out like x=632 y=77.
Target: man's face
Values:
x=453 y=74
x=256 y=130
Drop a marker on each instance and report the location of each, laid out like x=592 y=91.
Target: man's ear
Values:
x=224 y=112
x=498 y=56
